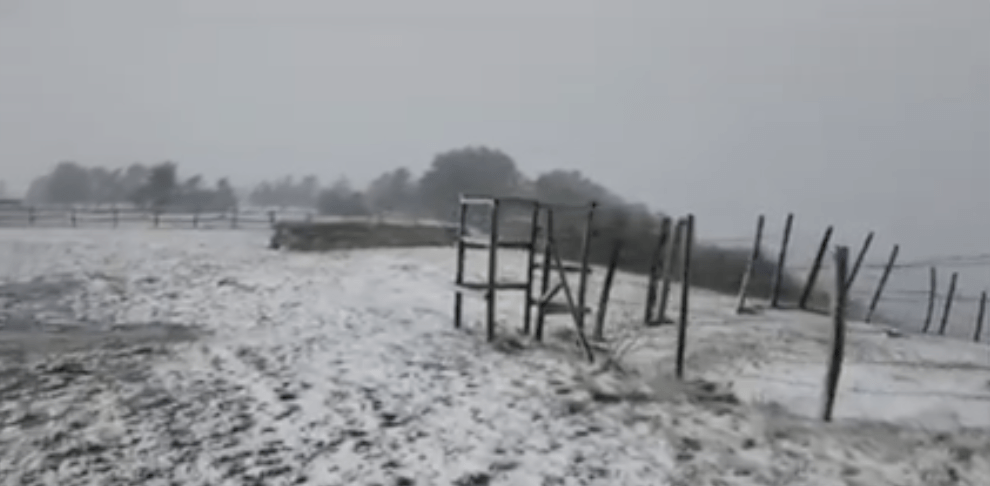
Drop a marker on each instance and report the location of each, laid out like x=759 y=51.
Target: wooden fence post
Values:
x=688 y=239
x=459 y=275
x=548 y=263
x=613 y=262
x=585 y=259
x=883 y=282
x=809 y=286
x=72 y=217
x=195 y=219
x=979 y=317
x=674 y=241
x=156 y=214
x=656 y=266
x=839 y=298
x=31 y=215
x=534 y=234
x=753 y=257
x=492 y=271
x=948 y=303
x=778 y=272
x=932 y=289
x=859 y=260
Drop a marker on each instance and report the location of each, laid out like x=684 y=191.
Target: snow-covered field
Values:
x=202 y=358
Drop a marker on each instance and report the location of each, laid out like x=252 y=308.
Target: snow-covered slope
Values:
x=343 y=368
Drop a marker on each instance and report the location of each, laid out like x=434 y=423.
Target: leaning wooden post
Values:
x=978 y=332
x=753 y=257
x=613 y=263
x=932 y=289
x=809 y=286
x=492 y=270
x=459 y=272
x=656 y=268
x=948 y=304
x=838 y=334
x=585 y=258
x=859 y=260
x=688 y=239
x=883 y=283
x=534 y=232
x=673 y=242
x=778 y=272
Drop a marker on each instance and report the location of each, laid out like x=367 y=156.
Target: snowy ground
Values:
x=185 y=357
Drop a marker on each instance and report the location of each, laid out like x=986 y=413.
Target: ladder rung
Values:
x=479 y=243
x=568 y=267
x=498 y=286
x=551 y=308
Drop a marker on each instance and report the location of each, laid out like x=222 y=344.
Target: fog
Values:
x=866 y=114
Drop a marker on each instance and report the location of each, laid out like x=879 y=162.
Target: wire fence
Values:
x=905 y=297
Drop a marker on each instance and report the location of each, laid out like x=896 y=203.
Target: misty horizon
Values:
x=869 y=115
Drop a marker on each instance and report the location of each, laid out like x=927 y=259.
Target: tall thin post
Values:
x=778 y=272
x=883 y=282
x=932 y=289
x=459 y=275
x=585 y=257
x=948 y=304
x=859 y=260
x=157 y=214
x=809 y=286
x=72 y=217
x=673 y=243
x=839 y=298
x=492 y=270
x=534 y=232
x=545 y=276
x=613 y=263
x=656 y=267
x=753 y=257
x=688 y=239
x=978 y=332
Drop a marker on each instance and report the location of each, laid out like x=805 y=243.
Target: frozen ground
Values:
x=195 y=358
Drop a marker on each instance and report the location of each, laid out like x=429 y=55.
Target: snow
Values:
x=343 y=368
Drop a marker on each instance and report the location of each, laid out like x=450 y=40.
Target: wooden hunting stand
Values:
x=541 y=238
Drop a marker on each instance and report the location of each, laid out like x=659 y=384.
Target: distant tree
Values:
x=393 y=191
x=160 y=188
x=479 y=170
x=341 y=200
x=69 y=183
x=224 y=198
x=286 y=192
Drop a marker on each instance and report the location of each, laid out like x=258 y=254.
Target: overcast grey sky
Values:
x=865 y=113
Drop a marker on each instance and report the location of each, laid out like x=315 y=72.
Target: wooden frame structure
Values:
x=541 y=238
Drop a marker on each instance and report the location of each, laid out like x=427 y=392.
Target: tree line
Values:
x=433 y=194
